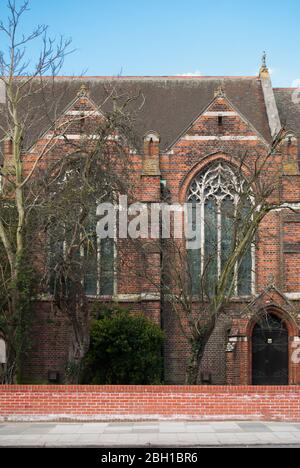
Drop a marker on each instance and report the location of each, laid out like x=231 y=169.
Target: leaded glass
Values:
x=219 y=190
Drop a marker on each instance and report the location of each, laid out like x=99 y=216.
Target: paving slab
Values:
x=187 y=438
x=208 y=439
x=91 y=429
x=172 y=427
x=65 y=429
x=200 y=428
x=225 y=439
x=283 y=428
x=155 y=434
x=248 y=439
x=109 y=439
x=156 y=439
x=254 y=427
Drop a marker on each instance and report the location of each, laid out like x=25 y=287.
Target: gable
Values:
x=164 y=104
x=77 y=120
x=223 y=122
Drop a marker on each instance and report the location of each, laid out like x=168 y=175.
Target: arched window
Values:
x=218 y=190
x=99 y=262
x=95 y=256
x=92 y=258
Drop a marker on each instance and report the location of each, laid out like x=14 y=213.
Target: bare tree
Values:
x=53 y=189
x=19 y=78
x=197 y=285
x=67 y=194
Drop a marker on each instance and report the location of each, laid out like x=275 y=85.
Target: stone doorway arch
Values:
x=288 y=336
x=270 y=351
x=239 y=356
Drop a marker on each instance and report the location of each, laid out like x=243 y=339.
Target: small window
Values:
x=220 y=120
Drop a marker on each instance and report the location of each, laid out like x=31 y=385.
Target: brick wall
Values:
x=149 y=402
x=48 y=345
x=277 y=249
x=190 y=156
x=50 y=335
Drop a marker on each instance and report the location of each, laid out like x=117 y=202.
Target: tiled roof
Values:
x=165 y=104
x=288 y=103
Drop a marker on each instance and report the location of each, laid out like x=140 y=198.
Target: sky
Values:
x=174 y=37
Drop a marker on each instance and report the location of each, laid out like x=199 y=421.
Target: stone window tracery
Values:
x=218 y=190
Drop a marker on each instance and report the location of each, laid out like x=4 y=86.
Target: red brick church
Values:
x=190 y=130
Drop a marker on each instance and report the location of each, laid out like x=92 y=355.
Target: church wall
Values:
x=277 y=255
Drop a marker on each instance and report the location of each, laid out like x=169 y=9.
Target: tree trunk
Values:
x=76 y=307
x=198 y=342
x=10 y=368
x=12 y=331
x=78 y=348
x=196 y=356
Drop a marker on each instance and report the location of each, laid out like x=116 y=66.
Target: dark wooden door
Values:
x=270 y=352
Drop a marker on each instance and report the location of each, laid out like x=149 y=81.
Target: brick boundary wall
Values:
x=103 y=403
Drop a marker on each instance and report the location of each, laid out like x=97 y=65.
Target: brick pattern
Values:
x=276 y=260
x=119 y=402
x=272 y=266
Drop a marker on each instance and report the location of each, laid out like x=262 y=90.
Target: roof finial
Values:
x=264 y=71
x=264 y=59
x=83 y=91
x=219 y=91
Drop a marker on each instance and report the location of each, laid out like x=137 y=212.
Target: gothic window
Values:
x=96 y=258
x=99 y=262
x=218 y=191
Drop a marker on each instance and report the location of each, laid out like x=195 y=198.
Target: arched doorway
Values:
x=270 y=355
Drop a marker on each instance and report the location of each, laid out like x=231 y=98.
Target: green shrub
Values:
x=124 y=349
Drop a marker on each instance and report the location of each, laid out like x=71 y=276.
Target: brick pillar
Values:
x=151 y=194
x=244 y=361
x=230 y=366
x=294 y=365
x=237 y=360
x=290 y=162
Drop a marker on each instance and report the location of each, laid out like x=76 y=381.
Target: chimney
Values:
x=151 y=154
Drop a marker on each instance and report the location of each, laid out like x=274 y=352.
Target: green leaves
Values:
x=125 y=349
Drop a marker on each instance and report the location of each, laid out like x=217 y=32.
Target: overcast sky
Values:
x=170 y=37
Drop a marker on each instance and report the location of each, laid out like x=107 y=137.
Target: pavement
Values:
x=150 y=434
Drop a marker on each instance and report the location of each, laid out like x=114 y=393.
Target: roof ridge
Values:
x=141 y=77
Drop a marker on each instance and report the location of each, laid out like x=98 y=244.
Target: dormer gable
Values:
x=75 y=122
x=221 y=121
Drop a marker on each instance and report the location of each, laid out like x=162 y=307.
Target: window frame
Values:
x=199 y=193
x=98 y=272
x=98 y=263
